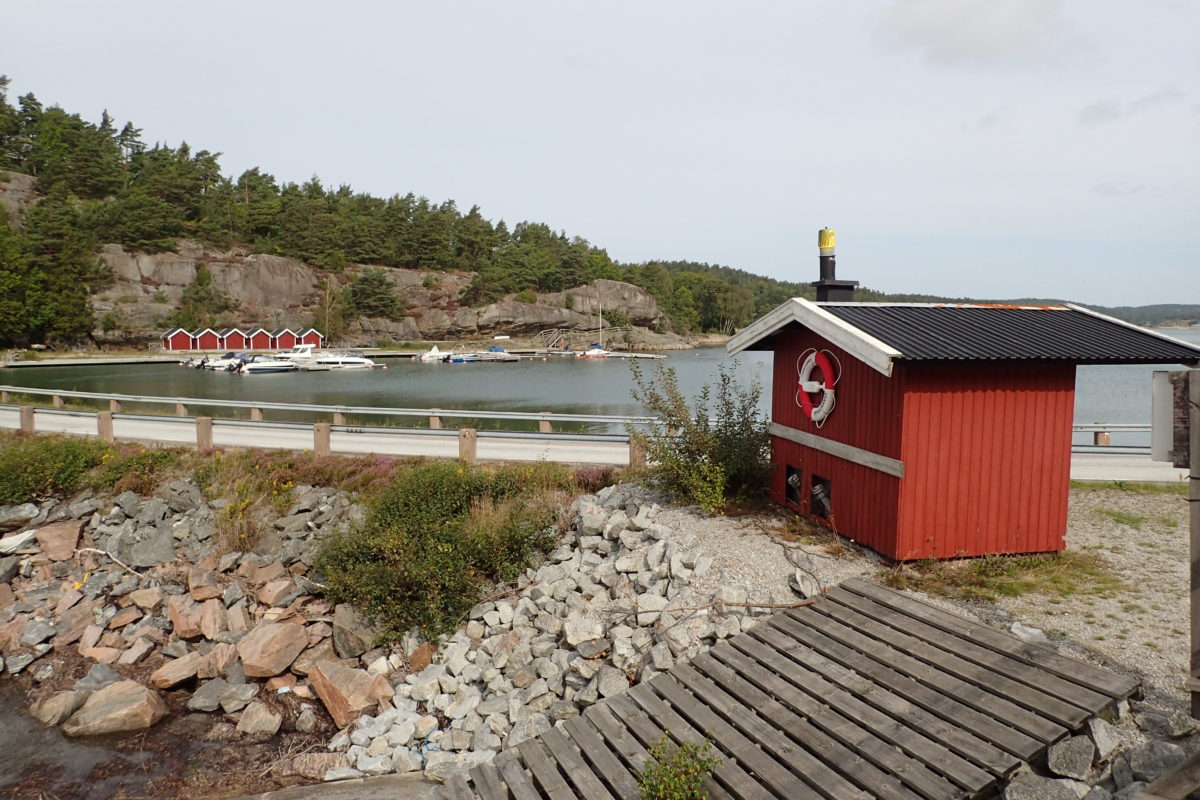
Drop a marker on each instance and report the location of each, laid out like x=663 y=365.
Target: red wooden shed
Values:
x=311 y=336
x=207 y=339
x=259 y=339
x=283 y=338
x=934 y=430
x=177 y=339
x=233 y=339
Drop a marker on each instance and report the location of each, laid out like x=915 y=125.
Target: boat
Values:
x=256 y=364
x=593 y=351
x=431 y=355
x=351 y=359
x=498 y=354
x=224 y=362
x=299 y=354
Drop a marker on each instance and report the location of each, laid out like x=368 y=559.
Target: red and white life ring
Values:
x=817 y=398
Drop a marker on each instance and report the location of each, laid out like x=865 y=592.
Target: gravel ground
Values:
x=1142 y=628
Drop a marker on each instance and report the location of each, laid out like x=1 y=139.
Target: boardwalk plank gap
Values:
x=866 y=693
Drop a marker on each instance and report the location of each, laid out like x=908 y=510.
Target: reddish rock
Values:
x=271 y=593
x=102 y=655
x=314 y=765
x=422 y=657
x=58 y=540
x=124 y=617
x=118 y=707
x=271 y=648
x=53 y=710
x=236 y=618
x=212 y=618
x=147 y=599
x=184 y=614
x=150 y=632
x=259 y=718
x=322 y=651
x=347 y=692
x=287 y=681
x=6 y=595
x=218 y=661
x=175 y=672
x=203 y=584
x=70 y=597
x=74 y=623
x=90 y=638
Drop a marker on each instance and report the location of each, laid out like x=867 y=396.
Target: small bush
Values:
x=526 y=296
x=700 y=459
x=437 y=537
x=33 y=467
x=138 y=471
x=677 y=772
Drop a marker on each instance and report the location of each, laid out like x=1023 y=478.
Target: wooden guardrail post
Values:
x=27 y=424
x=104 y=426
x=321 y=438
x=637 y=456
x=256 y=415
x=545 y=426
x=4 y=397
x=56 y=401
x=339 y=418
x=1102 y=438
x=204 y=435
x=467 y=438
x=114 y=406
x=435 y=423
x=180 y=410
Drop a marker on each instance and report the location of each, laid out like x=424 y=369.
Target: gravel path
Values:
x=1140 y=628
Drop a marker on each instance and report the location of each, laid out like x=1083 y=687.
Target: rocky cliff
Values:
x=274 y=291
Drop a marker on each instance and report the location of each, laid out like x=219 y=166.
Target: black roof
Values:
x=944 y=332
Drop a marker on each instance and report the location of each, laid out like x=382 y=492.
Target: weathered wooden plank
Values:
x=774 y=775
x=579 y=774
x=869 y=634
x=863 y=755
x=1083 y=698
x=545 y=770
x=1041 y=703
x=457 y=788
x=618 y=736
x=520 y=785
x=487 y=782
x=608 y=766
x=728 y=779
x=910 y=740
x=1101 y=680
x=777 y=735
x=1004 y=748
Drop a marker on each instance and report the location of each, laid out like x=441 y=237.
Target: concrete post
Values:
x=545 y=426
x=339 y=418
x=256 y=415
x=56 y=401
x=637 y=456
x=435 y=423
x=180 y=410
x=204 y=436
x=104 y=426
x=4 y=398
x=321 y=437
x=27 y=425
x=114 y=406
x=466 y=444
x=1102 y=438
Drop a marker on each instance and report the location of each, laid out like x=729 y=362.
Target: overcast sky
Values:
x=997 y=148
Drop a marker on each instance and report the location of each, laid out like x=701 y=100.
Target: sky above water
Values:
x=986 y=148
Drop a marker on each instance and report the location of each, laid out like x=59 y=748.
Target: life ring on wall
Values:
x=815 y=408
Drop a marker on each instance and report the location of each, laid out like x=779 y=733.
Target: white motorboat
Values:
x=225 y=362
x=595 y=351
x=299 y=354
x=491 y=354
x=431 y=355
x=351 y=359
x=258 y=364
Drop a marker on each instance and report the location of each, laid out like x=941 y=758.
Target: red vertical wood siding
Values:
x=312 y=337
x=867 y=415
x=234 y=341
x=987 y=455
x=260 y=340
x=285 y=340
x=181 y=340
x=208 y=341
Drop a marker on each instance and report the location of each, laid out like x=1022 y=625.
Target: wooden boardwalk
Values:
x=866 y=693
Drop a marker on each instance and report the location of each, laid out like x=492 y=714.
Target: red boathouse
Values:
x=233 y=339
x=258 y=339
x=930 y=430
x=177 y=339
x=283 y=339
x=311 y=336
x=207 y=339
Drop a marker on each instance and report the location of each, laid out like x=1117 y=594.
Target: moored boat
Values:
x=257 y=364
x=351 y=359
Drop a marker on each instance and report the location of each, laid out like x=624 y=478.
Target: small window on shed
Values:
x=821 y=498
x=793 y=491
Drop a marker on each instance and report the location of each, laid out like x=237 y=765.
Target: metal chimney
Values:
x=829 y=288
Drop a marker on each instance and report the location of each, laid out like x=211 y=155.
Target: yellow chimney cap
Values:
x=826 y=240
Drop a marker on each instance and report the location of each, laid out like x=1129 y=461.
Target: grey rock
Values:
x=405 y=760
x=1122 y=775
x=208 y=696
x=306 y=720
x=13 y=517
x=129 y=503
x=152 y=511
x=352 y=635
x=1152 y=759
x=1105 y=737
x=1098 y=793
x=1028 y=786
x=15 y=663
x=157 y=548
x=237 y=696
x=99 y=676
x=1072 y=757
x=36 y=632
x=1028 y=634
x=611 y=681
x=18 y=541
x=342 y=774
x=1130 y=791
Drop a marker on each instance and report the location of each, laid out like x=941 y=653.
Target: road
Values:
x=491 y=446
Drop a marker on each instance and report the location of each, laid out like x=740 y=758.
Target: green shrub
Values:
x=677 y=772
x=139 y=471
x=32 y=467
x=436 y=539
x=526 y=296
x=700 y=459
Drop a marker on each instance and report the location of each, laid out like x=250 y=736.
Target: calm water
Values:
x=566 y=385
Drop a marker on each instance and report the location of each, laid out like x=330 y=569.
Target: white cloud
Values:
x=1117 y=188
x=980 y=34
x=1103 y=111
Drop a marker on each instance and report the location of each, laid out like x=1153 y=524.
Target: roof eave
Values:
x=877 y=354
x=1138 y=328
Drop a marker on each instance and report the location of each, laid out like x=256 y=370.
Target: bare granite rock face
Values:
x=271 y=648
x=117 y=708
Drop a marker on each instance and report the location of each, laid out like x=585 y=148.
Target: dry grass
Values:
x=990 y=577
x=1132 y=487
